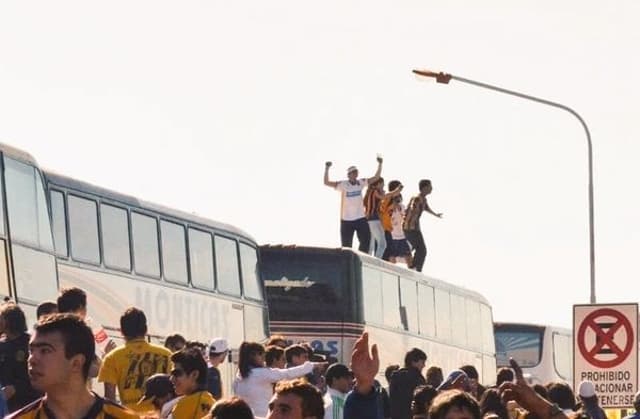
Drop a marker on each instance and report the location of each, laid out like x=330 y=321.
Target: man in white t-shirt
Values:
x=352 y=216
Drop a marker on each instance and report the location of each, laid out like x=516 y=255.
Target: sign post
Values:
x=605 y=338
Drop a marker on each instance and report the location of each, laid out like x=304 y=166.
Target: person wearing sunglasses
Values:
x=189 y=378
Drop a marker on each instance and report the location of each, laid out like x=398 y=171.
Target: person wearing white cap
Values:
x=589 y=399
x=352 y=216
x=218 y=350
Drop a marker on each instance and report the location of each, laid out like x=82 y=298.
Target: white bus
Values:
x=190 y=275
x=329 y=296
x=545 y=353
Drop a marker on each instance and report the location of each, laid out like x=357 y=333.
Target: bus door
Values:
x=28 y=271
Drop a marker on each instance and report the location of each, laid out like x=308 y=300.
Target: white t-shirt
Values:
x=352 y=206
x=397 y=233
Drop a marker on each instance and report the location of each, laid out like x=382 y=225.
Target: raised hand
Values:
x=364 y=365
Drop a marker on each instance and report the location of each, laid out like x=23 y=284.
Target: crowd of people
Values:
x=384 y=226
x=51 y=371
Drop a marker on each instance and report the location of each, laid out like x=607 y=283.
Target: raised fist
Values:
x=328 y=164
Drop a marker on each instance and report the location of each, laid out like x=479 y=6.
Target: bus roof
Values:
x=502 y=325
x=373 y=261
x=67 y=182
x=17 y=154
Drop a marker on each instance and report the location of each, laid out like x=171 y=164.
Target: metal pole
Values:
x=444 y=78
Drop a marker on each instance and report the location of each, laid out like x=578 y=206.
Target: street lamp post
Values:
x=444 y=78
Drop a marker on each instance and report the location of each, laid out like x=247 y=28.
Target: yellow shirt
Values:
x=101 y=409
x=193 y=406
x=130 y=365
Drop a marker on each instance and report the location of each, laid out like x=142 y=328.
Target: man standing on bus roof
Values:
x=128 y=366
x=352 y=216
x=411 y=225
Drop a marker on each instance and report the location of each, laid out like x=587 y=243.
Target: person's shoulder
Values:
x=29 y=411
x=160 y=349
x=115 y=410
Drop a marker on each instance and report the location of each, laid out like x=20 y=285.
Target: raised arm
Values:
x=375 y=177
x=394 y=192
x=428 y=209
x=327 y=182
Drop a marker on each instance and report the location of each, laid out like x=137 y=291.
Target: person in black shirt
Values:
x=14 y=352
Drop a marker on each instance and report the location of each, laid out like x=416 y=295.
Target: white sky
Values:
x=230 y=108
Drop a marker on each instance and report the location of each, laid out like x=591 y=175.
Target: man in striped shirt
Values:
x=339 y=379
x=411 y=224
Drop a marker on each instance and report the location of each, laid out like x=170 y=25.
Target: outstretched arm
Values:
x=428 y=209
x=394 y=192
x=327 y=182
x=375 y=177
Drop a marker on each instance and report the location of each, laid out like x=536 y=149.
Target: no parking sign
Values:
x=605 y=352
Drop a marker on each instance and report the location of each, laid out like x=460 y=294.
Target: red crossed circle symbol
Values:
x=605 y=337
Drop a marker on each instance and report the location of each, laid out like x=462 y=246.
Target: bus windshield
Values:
x=523 y=343
x=305 y=285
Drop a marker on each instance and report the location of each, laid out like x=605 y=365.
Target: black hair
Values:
x=76 y=336
x=562 y=395
x=14 y=318
x=233 y=408
x=388 y=372
x=393 y=185
x=133 y=323
x=191 y=359
x=245 y=357
x=71 y=300
x=312 y=403
x=434 y=376
x=422 y=398
x=46 y=307
x=453 y=398
x=490 y=402
x=294 y=350
x=504 y=375
x=272 y=353
x=171 y=341
x=414 y=355
x=423 y=183
x=471 y=371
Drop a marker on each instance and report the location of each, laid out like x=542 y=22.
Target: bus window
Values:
x=250 y=279
x=255 y=327
x=59 y=219
x=409 y=299
x=227 y=271
x=4 y=272
x=443 y=315
x=474 y=325
x=562 y=358
x=201 y=259
x=83 y=230
x=372 y=295
x=427 y=310
x=174 y=252
x=27 y=206
x=458 y=320
x=145 y=245
x=523 y=345
x=115 y=237
x=486 y=324
x=391 y=301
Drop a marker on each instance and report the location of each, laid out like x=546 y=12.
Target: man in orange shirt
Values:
x=386 y=208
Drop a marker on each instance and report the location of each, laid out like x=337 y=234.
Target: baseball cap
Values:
x=586 y=389
x=158 y=385
x=218 y=345
x=452 y=378
x=352 y=169
x=337 y=371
